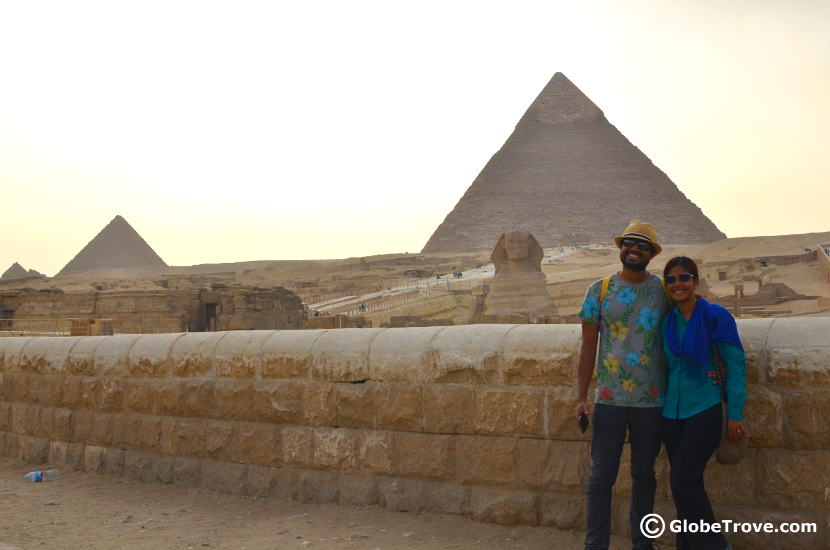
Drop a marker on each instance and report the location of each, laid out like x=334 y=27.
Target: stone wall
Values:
x=471 y=420
x=823 y=260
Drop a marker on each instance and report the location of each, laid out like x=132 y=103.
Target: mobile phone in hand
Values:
x=583 y=422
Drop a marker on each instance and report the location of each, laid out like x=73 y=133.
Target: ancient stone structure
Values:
x=470 y=420
x=569 y=177
x=17 y=271
x=117 y=245
x=221 y=308
x=519 y=286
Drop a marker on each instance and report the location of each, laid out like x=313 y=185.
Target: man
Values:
x=622 y=313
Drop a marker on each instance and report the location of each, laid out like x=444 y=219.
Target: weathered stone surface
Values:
x=733 y=483
x=402 y=355
x=791 y=367
x=111 y=395
x=57 y=452
x=46 y=355
x=343 y=355
x=149 y=433
x=33 y=449
x=12 y=352
x=111 y=354
x=449 y=408
x=227 y=477
x=234 y=400
x=563 y=511
x=319 y=404
x=139 y=466
x=806 y=415
x=318 y=487
x=237 y=354
x=424 y=455
x=48 y=391
x=192 y=354
x=150 y=355
x=81 y=360
x=786 y=478
x=467 y=354
x=260 y=481
x=554 y=465
x=535 y=357
x=94 y=458
x=114 y=461
x=190 y=436
x=487 y=459
x=398 y=407
x=288 y=354
x=402 y=495
x=448 y=498
x=358 y=490
x=505 y=507
x=186 y=471
x=764 y=417
x=509 y=412
x=297 y=446
x=222 y=440
x=375 y=452
x=335 y=448
x=559 y=408
x=278 y=401
x=75 y=456
x=196 y=398
x=356 y=405
x=5 y=416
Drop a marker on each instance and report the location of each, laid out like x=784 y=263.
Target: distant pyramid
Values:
x=16 y=271
x=569 y=177
x=117 y=245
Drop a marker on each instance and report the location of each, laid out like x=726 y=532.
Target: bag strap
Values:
x=722 y=371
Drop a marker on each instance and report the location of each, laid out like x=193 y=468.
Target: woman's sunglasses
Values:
x=631 y=243
x=683 y=278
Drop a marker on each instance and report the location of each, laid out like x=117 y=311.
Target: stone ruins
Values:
x=118 y=245
x=519 y=287
x=569 y=177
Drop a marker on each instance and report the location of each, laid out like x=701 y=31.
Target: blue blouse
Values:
x=686 y=396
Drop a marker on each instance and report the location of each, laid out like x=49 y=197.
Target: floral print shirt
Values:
x=630 y=369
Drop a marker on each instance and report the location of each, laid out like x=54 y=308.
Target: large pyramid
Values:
x=569 y=177
x=117 y=245
x=17 y=271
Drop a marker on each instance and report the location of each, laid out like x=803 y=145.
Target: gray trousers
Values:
x=610 y=424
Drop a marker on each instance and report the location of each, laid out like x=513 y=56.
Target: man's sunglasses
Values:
x=683 y=278
x=631 y=243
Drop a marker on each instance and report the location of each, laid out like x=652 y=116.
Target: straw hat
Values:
x=641 y=231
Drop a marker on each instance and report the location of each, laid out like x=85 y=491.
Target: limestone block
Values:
x=733 y=483
x=91 y=393
x=806 y=415
x=402 y=495
x=59 y=426
x=190 y=436
x=112 y=395
x=318 y=487
x=259 y=443
x=234 y=400
x=356 y=405
x=335 y=448
x=342 y=355
x=4 y=342
x=375 y=452
x=260 y=481
x=554 y=465
x=424 y=455
x=167 y=396
x=108 y=304
x=563 y=511
x=398 y=406
x=94 y=458
x=162 y=467
x=139 y=396
x=192 y=354
x=46 y=355
x=5 y=416
x=505 y=507
x=111 y=354
x=540 y=355
x=792 y=367
x=100 y=429
x=114 y=461
x=402 y=355
x=34 y=450
x=467 y=354
x=75 y=456
x=57 y=452
x=81 y=359
x=138 y=466
x=72 y=392
x=196 y=398
x=278 y=401
x=25 y=418
x=449 y=408
x=297 y=445
x=319 y=404
x=785 y=478
x=487 y=459
x=150 y=355
x=124 y=430
x=448 y=498
x=358 y=490
x=559 y=407
x=22 y=384
x=10 y=447
x=237 y=355
x=222 y=440
x=510 y=412
x=226 y=477
x=186 y=471
x=148 y=433
x=47 y=390
x=764 y=418
x=12 y=352
x=7 y=381
x=287 y=353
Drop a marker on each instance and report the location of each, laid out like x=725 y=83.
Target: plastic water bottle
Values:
x=43 y=475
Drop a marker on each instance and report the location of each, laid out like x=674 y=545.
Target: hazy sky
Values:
x=231 y=131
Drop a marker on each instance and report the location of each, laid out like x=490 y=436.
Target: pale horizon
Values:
x=275 y=132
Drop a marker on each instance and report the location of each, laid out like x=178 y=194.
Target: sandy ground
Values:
x=84 y=510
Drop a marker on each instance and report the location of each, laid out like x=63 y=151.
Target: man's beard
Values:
x=632 y=266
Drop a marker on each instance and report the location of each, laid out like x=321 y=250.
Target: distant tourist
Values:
x=621 y=314
x=693 y=331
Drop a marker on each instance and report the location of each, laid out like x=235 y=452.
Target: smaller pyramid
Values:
x=16 y=271
x=118 y=245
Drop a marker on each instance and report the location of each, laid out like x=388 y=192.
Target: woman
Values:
x=692 y=417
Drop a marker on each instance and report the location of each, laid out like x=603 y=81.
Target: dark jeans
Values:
x=610 y=426
x=689 y=444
